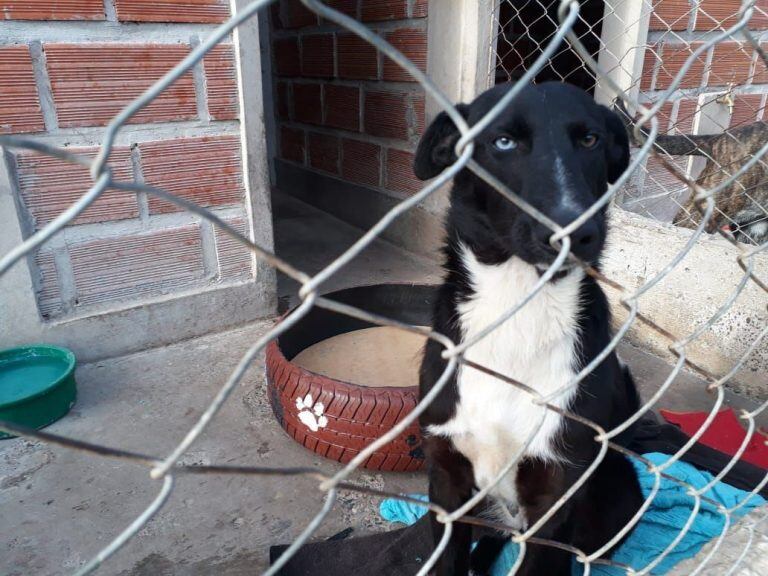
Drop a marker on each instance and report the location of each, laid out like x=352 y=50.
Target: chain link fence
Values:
x=557 y=39
x=707 y=122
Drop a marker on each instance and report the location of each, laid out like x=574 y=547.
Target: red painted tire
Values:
x=351 y=416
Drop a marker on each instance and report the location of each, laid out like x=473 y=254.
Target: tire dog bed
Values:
x=337 y=383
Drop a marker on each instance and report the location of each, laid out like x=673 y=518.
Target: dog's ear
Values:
x=435 y=151
x=617 y=149
x=620 y=109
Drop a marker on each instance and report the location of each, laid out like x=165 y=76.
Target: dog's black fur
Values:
x=544 y=120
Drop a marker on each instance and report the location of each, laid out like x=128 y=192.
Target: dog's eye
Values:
x=588 y=141
x=503 y=143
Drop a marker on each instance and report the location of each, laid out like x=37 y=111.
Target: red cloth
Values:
x=725 y=434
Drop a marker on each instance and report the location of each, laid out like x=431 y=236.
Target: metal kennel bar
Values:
x=566 y=35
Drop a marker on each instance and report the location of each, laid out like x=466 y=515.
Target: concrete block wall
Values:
x=344 y=110
x=66 y=68
x=676 y=29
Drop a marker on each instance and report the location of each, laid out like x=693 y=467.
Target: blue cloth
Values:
x=660 y=524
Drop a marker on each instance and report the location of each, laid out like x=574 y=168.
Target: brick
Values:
x=307 y=104
x=360 y=162
x=194 y=11
x=317 y=55
x=672 y=59
x=759 y=20
x=48 y=186
x=283 y=100
x=357 y=58
x=348 y=7
x=48 y=289
x=722 y=14
x=206 y=171
x=233 y=258
x=418 y=111
x=650 y=59
x=747 y=108
x=731 y=62
x=386 y=115
x=378 y=10
x=292 y=144
x=672 y=124
x=342 y=107
x=52 y=10
x=286 y=55
x=686 y=114
x=293 y=14
x=19 y=104
x=413 y=44
x=324 y=152
x=136 y=265
x=664 y=116
x=221 y=82
x=399 y=174
x=670 y=15
x=761 y=72
x=420 y=9
x=91 y=83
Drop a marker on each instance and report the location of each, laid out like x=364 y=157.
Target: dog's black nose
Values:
x=586 y=241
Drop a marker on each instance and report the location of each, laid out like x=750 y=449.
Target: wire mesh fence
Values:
x=711 y=123
x=555 y=39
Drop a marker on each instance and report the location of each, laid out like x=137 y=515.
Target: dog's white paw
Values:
x=311 y=415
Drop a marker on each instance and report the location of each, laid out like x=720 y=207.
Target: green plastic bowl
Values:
x=37 y=385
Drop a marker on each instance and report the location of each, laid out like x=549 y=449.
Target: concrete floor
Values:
x=313 y=239
x=60 y=507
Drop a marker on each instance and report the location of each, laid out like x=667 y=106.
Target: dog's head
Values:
x=553 y=146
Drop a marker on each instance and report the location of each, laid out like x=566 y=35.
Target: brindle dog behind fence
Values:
x=741 y=207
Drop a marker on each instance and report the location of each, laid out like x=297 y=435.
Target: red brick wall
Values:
x=124 y=247
x=676 y=29
x=19 y=102
x=209 y=11
x=52 y=10
x=343 y=108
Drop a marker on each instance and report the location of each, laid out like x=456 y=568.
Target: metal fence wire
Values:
x=561 y=33
x=728 y=103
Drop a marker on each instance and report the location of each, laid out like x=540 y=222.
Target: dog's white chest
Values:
x=537 y=347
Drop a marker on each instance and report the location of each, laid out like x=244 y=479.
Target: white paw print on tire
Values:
x=311 y=416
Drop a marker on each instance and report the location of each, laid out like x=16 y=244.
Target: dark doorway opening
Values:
x=525 y=29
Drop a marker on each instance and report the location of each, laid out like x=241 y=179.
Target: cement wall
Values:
x=639 y=248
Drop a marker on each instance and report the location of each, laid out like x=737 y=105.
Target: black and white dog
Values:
x=557 y=149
